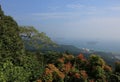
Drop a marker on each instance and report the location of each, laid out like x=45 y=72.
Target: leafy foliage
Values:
x=15 y=65
x=11 y=73
x=20 y=65
x=11 y=45
x=79 y=69
x=34 y=39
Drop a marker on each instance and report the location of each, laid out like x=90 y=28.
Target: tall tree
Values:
x=11 y=45
x=32 y=38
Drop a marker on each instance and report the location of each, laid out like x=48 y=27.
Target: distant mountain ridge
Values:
x=39 y=41
x=109 y=57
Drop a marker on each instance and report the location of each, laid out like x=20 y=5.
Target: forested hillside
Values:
x=20 y=63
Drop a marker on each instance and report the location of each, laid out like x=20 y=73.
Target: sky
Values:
x=68 y=19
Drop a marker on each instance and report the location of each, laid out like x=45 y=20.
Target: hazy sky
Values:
x=75 y=19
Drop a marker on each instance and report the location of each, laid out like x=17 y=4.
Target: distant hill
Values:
x=39 y=41
x=109 y=57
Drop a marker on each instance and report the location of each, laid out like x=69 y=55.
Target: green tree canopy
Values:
x=11 y=44
x=34 y=38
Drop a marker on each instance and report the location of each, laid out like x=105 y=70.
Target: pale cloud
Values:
x=54 y=8
x=115 y=8
x=81 y=6
x=67 y=15
x=107 y=28
x=75 y=6
x=92 y=8
x=80 y=10
x=56 y=15
x=48 y=15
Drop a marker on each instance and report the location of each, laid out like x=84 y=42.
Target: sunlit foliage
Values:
x=17 y=64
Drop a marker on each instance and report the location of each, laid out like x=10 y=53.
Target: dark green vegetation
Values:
x=27 y=55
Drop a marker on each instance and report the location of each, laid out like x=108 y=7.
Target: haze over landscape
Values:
x=59 y=41
x=71 y=21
